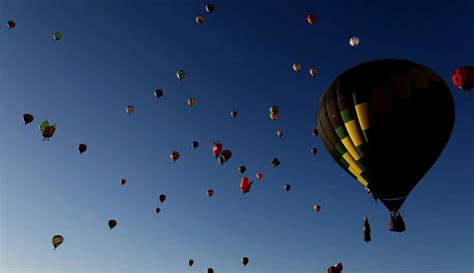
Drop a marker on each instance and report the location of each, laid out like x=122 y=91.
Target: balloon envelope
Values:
x=112 y=224
x=28 y=118
x=57 y=240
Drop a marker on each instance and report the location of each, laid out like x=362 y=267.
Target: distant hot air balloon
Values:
x=129 y=109
x=317 y=208
x=245 y=185
x=311 y=19
x=287 y=187
x=233 y=114
x=57 y=241
x=217 y=149
x=275 y=162
x=210 y=192
x=174 y=156
x=245 y=261
x=82 y=148
x=112 y=224
x=315 y=132
x=162 y=198
x=123 y=181
x=47 y=130
x=210 y=8
x=191 y=102
x=274 y=111
x=259 y=176
x=195 y=144
x=180 y=74
x=28 y=118
x=225 y=156
x=354 y=41
x=313 y=72
x=57 y=36
x=199 y=19
x=366 y=230
x=158 y=93
x=210 y=270
x=157 y=210
x=296 y=67
x=463 y=78
x=242 y=169
x=11 y=24
x=280 y=133
x=335 y=268
x=190 y=262
x=362 y=114
x=314 y=150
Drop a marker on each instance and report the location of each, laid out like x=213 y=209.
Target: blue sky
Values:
x=116 y=53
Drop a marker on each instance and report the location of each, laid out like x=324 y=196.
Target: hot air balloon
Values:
x=311 y=19
x=242 y=169
x=314 y=150
x=180 y=74
x=195 y=144
x=245 y=261
x=317 y=208
x=47 y=130
x=335 y=268
x=463 y=78
x=191 y=102
x=57 y=241
x=280 y=133
x=158 y=93
x=82 y=148
x=354 y=41
x=259 y=176
x=199 y=19
x=112 y=224
x=313 y=72
x=275 y=162
x=366 y=230
x=190 y=262
x=129 y=109
x=287 y=187
x=162 y=198
x=296 y=67
x=157 y=210
x=362 y=115
x=11 y=24
x=217 y=149
x=245 y=185
x=174 y=156
x=210 y=8
x=123 y=181
x=274 y=111
x=210 y=270
x=28 y=118
x=315 y=132
x=210 y=192
x=57 y=36
x=225 y=156
x=233 y=114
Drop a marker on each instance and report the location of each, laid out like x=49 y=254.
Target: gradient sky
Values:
x=115 y=53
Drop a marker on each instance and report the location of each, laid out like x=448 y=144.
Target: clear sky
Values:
x=116 y=53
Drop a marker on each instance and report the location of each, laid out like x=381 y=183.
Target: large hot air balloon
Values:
x=311 y=19
x=123 y=181
x=242 y=169
x=47 y=130
x=195 y=144
x=28 y=118
x=210 y=8
x=275 y=162
x=463 y=78
x=57 y=36
x=199 y=19
x=354 y=41
x=245 y=261
x=365 y=111
x=210 y=192
x=287 y=187
x=191 y=102
x=174 y=156
x=245 y=185
x=11 y=24
x=158 y=93
x=57 y=241
x=217 y=149
x=366 y=230
x=259 y=176
x=190 y=262
x=82 y=148
x=296 y=67
x=162 y=198
x=112 y=224
x=180 y=74
x=129 y=109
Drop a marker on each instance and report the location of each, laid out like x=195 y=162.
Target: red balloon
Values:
x=123 y=181
x=311 y=19
x=259 y=176
x=233 y=114
x=244 y=184
x=463 y=78
x=217 y=149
